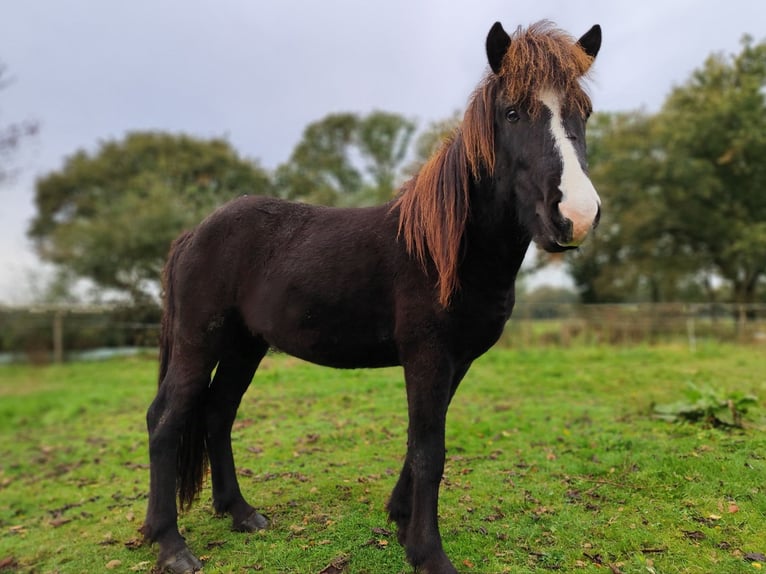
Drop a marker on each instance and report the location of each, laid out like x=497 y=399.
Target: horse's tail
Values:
x=192 y=461
x=168 y=303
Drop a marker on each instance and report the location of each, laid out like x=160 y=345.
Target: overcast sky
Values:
x=257 y=72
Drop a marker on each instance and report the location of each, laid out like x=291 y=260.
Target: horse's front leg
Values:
x=400 y=504
x=429 y=389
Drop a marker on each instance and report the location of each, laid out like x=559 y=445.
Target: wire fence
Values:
x=641 y=323
x=56 y=333
x=44 y=334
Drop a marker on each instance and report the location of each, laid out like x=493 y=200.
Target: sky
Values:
x=257 y=72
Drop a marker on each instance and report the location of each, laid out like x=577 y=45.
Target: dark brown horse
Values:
x=426 y=282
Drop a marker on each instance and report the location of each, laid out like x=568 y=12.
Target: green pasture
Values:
x=554 y=463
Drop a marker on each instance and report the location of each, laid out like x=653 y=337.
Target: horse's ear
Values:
x=498 y=41
x=591 y=41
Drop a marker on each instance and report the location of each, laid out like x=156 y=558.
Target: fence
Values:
x=45 y=333
x=55 y=333
x=644 y=323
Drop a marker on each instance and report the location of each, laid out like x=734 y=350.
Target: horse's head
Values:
x=523 y=136
x=539 y=116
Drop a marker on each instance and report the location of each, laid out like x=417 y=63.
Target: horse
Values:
x=425 y=281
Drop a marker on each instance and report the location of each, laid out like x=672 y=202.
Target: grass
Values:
x=554 y=463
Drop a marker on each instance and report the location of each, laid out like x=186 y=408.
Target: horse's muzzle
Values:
x=575 y=231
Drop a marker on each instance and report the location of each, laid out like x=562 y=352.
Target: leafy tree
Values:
x=431 y=139
x=320 y=168
x=631 y=255
x=110 y=216
x=345 y=159
x=383 y=140
x=11 y=135
x=714 y=128
x=683 y=190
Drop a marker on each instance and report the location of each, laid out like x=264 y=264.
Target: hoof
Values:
x=442 y=568
x=252 y=523
x=184 y=562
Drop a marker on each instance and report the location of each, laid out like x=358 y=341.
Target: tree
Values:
x=11 y=135
x=345 y=159
x=714 y=128
x=383 y=140
x=683 y=190
x=431 y=139
x=630 y=256
x=320 y=169
x=110 y=216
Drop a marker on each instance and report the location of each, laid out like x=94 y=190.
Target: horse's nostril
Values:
x=597 y=219
x=567 y=230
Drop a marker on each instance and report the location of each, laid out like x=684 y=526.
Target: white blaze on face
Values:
x=579 y=201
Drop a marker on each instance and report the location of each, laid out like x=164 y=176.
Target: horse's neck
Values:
x=494 y=248
x=495 y=242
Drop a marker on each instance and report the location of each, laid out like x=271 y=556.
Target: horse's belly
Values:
x=342 y=336
x=339 y=350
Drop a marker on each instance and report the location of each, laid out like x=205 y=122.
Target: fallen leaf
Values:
x=595 y=558
x=467 y=563
x=60 y=521
x=134 y=543
x=540 y=510
x=112 y=564
x=755 y=557
x=9 y=563
x=141 y=566
x=659 y=550
x=311 y=438
x=733 y=508
x=107 y=540
x=337 y=566
x=694 y=534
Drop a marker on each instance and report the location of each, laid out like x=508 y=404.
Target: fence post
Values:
x=690 y=330
x=58 y=336
x=742 y=323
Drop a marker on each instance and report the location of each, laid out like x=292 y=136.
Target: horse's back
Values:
x=316 y=282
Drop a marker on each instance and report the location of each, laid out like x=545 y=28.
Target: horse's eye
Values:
x=588 y=113
x=512 y=115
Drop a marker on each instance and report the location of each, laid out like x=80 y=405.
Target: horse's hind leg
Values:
x=239 y=360
x=172 y=415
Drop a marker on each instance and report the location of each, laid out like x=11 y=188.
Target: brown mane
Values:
x=433 y=205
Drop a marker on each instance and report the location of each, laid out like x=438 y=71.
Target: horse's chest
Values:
x=479 y=326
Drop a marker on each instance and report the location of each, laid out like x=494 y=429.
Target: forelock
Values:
x=545 y=57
